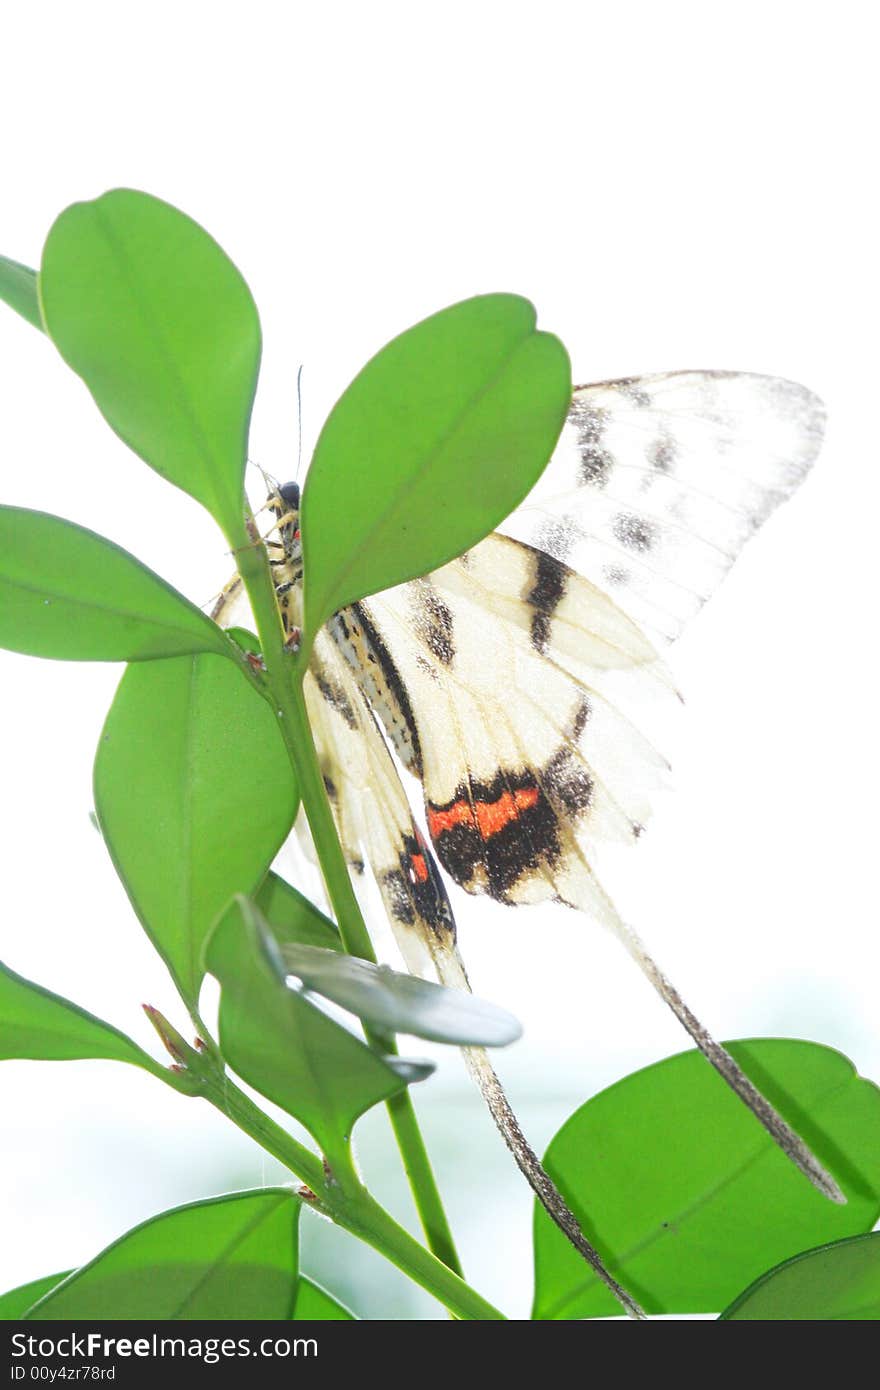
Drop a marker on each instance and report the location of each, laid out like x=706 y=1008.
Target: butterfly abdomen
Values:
x=370 y=662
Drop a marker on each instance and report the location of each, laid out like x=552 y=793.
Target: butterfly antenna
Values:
x=791 y=1143
x=451 y=971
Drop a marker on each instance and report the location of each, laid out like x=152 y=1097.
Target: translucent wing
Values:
x=372 y=814
x=527 y=764
x=658 y=481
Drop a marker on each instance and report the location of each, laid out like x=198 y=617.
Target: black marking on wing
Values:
x=336 y=698
x=635 y=532
x=435 y=623
x=633 y=388
x=392 y=679
x=505 y=827
x=415 y=892
x=596 y=462
x=568 y=782
x=662 y=454
x=545 y=596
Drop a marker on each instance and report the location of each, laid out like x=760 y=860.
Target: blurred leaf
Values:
x=233 y=1258
x=314 y=1304
x=392 y=1002
x=836 y=1283
x=434 y=443
x=155 y=318
x=68 y=593
x=17 y=1301
x=194 y=795
x=284 y=1046
x=684 y=1194
x=292 y=917
x=38 y=1024
x=18 y=289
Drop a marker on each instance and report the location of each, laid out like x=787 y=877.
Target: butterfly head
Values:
x=285 y=504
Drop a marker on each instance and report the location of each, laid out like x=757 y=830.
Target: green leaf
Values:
x=684 y=1194
x=17 y=1301
x=282 y=1044
x=68 y=593
x=314 y=1304
x=231 y=1258
x=433 y=444
x=836 y=1283
x=155 y=318
x=392 y=1002
x=38 y=1024
x=18 y=289
x=292 y=917
x=194 y=795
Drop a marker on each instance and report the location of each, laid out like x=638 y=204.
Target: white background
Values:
x=674 y=186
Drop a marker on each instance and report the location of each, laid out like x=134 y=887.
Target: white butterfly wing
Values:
x=372 y=814
x=658 y=481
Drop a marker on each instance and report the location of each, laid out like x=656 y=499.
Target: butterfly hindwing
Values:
x=527 y=765
x=370 y=807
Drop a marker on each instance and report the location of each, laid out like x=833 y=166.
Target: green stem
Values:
x=351 y=1207
x=283 y=677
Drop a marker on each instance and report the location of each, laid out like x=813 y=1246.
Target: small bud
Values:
x=171 y=1040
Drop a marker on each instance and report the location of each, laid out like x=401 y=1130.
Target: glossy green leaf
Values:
x=230 y=1258
x=685 y=1195
x=38 y=1024
x=155 y=318
x=18 y=289
x=433 y=444
x=284 y=1046
x=836 y=1283
x=194 y=795
x=392 y=1002
x=68 y=593
x=17 y=1301
x=314 y=1304
x=292 y=917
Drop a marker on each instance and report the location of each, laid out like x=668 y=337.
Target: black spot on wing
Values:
x=582 y=715
x=569 y=784
x=634 y=532
x=397 y=896
x=545 y=595
x=596 y=465
x=662 y=453
x=589 y=421
x=634 y=390
x=434 y=621
x=336 y=698
x=558 y=535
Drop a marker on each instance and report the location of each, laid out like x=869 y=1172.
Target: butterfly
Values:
x=494 y=681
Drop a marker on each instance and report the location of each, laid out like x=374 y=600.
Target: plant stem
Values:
x=284 y=675
x=779 y=1130
x=352 y=1207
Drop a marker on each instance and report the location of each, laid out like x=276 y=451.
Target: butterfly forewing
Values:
x=658 y=481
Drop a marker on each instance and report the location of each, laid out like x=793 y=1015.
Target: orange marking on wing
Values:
x=420 y=868
x=457 y=814
x=490 y=816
